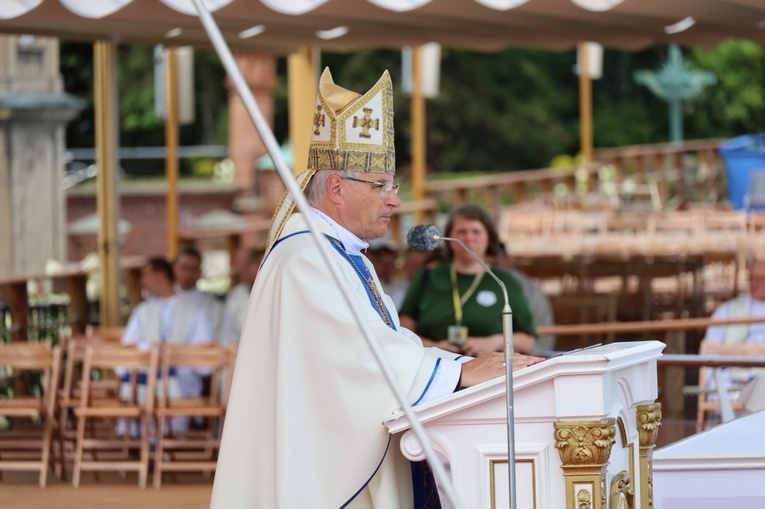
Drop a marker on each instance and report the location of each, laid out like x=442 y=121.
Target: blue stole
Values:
x=424 y=490
x=366 y=278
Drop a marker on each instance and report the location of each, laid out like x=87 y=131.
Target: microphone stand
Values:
x=507 y=330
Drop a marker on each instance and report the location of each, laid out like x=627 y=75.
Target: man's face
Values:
x=150 y=280
x=187 y=271
x=367 y=209
x=757 y=281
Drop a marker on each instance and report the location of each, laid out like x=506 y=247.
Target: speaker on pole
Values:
x=430 y=70
x=185 y=85
x=589 y=56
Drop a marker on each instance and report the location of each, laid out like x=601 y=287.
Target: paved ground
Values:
x=21 y=491
x=186 y=491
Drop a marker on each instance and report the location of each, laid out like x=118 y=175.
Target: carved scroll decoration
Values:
x=622 y=492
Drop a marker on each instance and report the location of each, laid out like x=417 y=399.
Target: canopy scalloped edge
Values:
x=10 y=9
x=187 y=6
x=597 y=5
x=94 y=10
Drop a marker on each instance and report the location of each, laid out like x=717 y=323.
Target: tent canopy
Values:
x=282 y=26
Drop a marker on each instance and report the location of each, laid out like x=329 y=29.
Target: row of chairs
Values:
x=101 y=406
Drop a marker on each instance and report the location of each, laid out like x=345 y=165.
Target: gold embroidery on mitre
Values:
x=284 y=210
x=360 y=133
x=319 y=120
x=336 y=144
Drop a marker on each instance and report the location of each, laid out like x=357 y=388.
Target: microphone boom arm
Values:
x=507 y=329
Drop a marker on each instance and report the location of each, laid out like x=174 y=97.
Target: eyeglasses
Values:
x=385 y=187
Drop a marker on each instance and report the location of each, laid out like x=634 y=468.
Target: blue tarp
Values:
x=743 y=156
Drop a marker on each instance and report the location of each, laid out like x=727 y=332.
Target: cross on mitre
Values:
x=366 y=123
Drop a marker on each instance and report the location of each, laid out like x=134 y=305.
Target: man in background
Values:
x=188 y=270
x=158 y=320
x=235 y=308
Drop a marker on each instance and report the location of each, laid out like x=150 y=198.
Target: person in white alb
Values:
x=235 y=307
x=304 y=426
x=157 y=320
x=188 y=269
x=750 y=304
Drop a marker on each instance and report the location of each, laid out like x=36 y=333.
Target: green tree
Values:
x=736 y=105
x=138 y=123
x=515 y=109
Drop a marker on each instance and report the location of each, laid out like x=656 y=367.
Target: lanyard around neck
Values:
x=460 y=301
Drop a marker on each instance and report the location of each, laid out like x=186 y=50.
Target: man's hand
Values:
x=492 y=366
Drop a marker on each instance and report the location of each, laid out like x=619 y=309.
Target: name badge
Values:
x=457 y=334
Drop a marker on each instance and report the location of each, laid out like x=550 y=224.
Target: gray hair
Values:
x=316 y=190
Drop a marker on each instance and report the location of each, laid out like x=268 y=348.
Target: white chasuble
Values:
x=304 y=424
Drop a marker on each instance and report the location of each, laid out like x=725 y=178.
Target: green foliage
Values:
x=135 y=78
x=737 y=104
x=138 y=124
x=203 y=167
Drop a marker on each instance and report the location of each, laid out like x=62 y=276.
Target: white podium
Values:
x=721 y=467
x=585 y=426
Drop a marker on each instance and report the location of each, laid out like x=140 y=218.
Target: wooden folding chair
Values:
x=69 y=393
x=706 y=405
x=98 y=414
x=191 y=450
x=33 y=369
x=106 y=333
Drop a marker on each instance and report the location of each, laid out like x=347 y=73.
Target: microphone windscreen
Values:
x=421 y=237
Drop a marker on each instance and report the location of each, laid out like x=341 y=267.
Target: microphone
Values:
x=427 y=238
x=423 y=237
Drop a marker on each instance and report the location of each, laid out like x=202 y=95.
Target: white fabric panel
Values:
x=501 y=5
x=721 y=467
x=293 y=7
x=399 y=5
x=14 y=8
x=94 y=10
x=187 y=6
x=597 y=5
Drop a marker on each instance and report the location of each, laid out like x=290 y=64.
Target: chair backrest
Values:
x=106 y=333
x=75 y=349
x=737 y=350
x=217 y=361
x=127 y=360
x=34 y=357
x=750 y=350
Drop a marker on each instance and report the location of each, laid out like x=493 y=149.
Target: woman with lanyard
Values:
x=455 y=305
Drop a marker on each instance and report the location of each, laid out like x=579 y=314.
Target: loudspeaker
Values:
x=430 y=70
x=594 y=59
x=184 y=59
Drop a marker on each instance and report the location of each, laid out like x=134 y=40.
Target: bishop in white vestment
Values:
x=304 y=424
